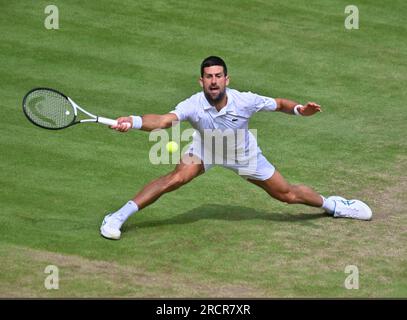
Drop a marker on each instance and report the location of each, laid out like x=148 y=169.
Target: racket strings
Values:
x=49 y=109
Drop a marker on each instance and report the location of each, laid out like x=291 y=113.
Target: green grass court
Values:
x=218 y=236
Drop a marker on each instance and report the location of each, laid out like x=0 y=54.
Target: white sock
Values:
x=328 y=205
x=126 y=211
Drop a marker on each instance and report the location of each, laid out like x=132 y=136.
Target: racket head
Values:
x=49 y=109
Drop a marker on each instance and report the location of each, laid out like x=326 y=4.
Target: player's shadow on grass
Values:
x=231 y=213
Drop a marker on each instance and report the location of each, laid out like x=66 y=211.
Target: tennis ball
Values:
x=172 y=146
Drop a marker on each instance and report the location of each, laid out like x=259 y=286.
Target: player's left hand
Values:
x=310 y=108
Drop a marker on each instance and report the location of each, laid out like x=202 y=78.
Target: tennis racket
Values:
x=51 y=109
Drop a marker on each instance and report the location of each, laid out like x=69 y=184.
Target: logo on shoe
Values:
x=347 y=202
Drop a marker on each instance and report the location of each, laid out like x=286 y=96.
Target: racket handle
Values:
x=107 y=121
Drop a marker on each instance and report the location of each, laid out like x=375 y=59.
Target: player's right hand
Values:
x=124 y=124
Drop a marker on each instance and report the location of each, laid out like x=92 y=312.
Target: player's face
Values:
x=214 y=83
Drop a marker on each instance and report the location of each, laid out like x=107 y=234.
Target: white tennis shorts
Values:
x=257 y=168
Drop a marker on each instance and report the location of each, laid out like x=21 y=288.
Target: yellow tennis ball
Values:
x=172 y=146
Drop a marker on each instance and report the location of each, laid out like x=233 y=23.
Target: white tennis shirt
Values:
x=229 y=120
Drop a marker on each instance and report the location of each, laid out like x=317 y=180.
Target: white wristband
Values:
x=296 y=112
x=137 y=122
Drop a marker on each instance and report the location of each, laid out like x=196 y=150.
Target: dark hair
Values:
x=213 y=61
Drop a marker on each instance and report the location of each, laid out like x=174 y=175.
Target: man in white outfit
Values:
x=219 y=110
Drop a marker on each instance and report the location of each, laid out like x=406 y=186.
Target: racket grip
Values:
x=107 y=121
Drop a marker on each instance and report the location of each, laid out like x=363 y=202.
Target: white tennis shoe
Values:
x=110 y=228
x=355 y=209
x=332 y=198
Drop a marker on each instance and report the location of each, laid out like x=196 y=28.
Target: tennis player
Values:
x=225 y=110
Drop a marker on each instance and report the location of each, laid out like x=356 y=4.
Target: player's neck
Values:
x=219 y=104
x=222 y=103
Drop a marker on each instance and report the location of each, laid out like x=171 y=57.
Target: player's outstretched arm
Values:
x=147 y=122
x=292 y=107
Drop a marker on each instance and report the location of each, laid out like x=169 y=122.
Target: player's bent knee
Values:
x=177 y=180
x=287 y=197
